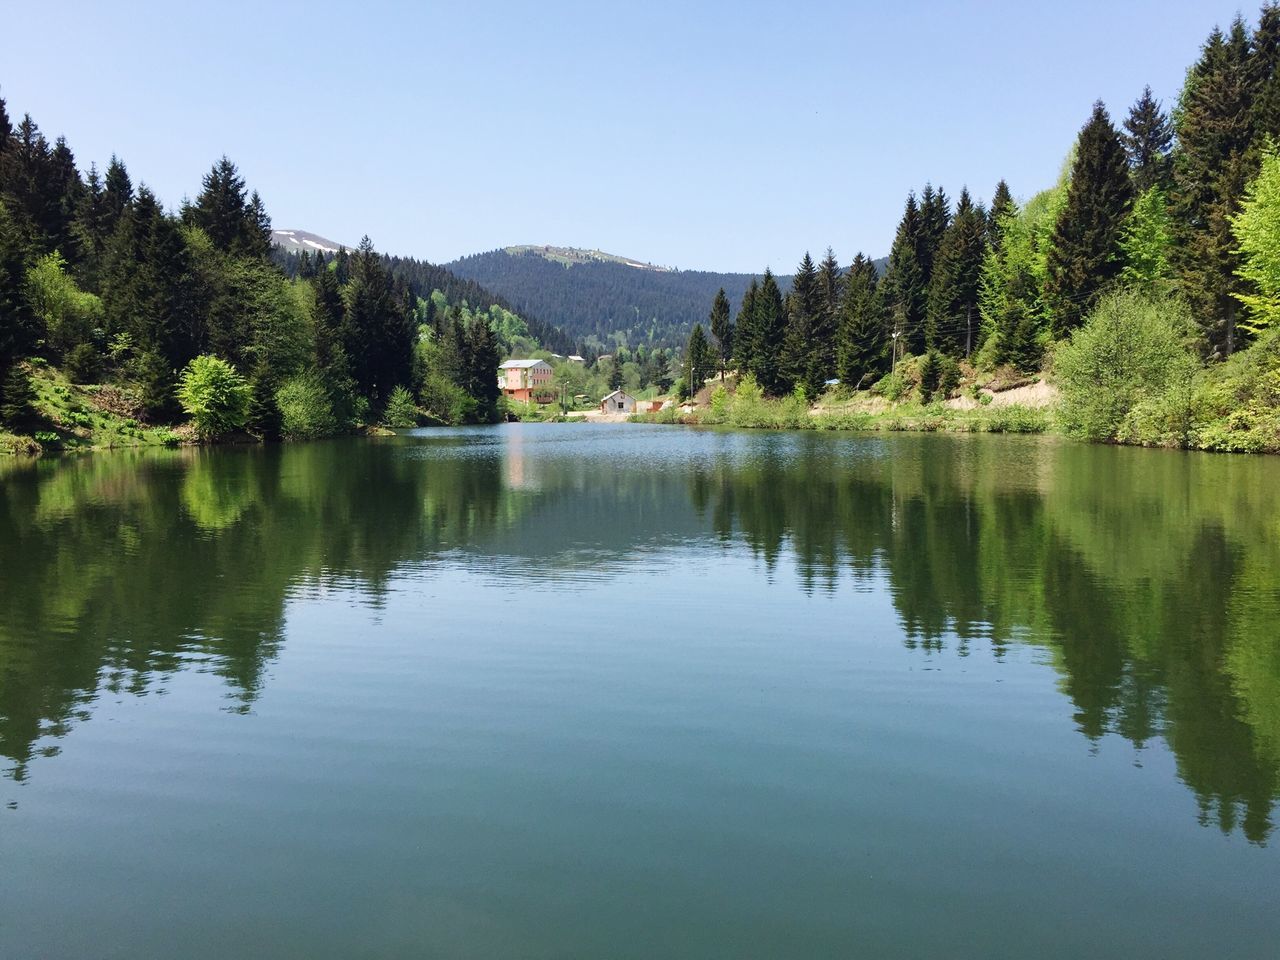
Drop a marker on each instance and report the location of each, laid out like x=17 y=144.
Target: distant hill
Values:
x=593 y=296
x=295 y=241
x=422 y=278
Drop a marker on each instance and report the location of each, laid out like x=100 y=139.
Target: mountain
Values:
x=421 y=278
x=597 y=298
x=295 y=241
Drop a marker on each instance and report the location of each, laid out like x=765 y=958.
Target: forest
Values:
x=119 y=318
x=601 y=305
x=1145 y=283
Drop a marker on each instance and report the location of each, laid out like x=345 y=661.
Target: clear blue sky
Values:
x=724 y=136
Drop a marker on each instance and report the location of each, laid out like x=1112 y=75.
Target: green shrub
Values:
x=214 y=396
x=306 y=411
x=46 y=439
x=402 y=411
x=446 y=401
x=892 y=386
x=718 y=404
x=1127 y=373
x=82 y=363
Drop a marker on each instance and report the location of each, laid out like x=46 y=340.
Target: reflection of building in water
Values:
x=517 y=469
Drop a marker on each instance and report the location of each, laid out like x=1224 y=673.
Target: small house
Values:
x=618 y=402
x=527 y=381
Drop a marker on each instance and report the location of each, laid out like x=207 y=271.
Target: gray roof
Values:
x=520 y=364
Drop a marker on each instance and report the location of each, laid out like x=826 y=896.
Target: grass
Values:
x=74 y=417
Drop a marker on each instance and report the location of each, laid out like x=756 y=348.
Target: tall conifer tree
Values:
x=953 y=291
x=770 y=326
x=1211 y=167
x=904 y=287
x=1148 y=140
x=802 y=309
x=722 y=329
x=1085 y=253
x=860 y=339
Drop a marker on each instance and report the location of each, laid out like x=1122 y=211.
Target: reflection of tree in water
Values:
x=1150 y=577
x=117 y=570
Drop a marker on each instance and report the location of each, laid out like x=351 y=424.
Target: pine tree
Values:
x=16 y=395
x=65 y=190
x=1148 y=141
x=17 y=323
x=117 y=193
x=1001 y=205
x=770 y=325
x=722 y=329
x=483 y=360
x=257 y=236
x=903 y=288
x=1265 y=75
x=745 y=333
x=821 y=365
x=236 y=224
x=92 y=231
x=1085 y=254
x=860 y=340
x=1211 y=167
x=27 y=180
x=378 y=333
x=264 y=412
x=699 y=361
x=935 y=217
x=801 y=314
x=952 y=322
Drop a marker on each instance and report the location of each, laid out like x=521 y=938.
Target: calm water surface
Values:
x=576 y=691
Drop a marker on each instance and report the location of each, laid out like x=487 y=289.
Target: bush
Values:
x=718 y=404
x=306 y=412
x=402 y=411
x=214 y=396
x=1127 y=373
x=447 y=401
x=892 y=386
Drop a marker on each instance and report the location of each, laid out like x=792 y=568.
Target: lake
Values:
x=632 y=691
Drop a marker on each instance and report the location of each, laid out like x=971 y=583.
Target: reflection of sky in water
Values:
x=787 y=685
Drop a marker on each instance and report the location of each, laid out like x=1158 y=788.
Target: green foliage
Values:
x=16 y=396
x=1084 y=253
x=214 y=395
x=83 y=363
x=1237 y=403
x=1146 y=244
x=67 y=314
x=1256 y=228
x=306 y=410
x=446 y=401
x=722 y=329
x=860 y=333
x=1127 y=374
x=402 y=410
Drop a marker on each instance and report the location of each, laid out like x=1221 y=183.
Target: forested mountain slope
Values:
x=599 y=298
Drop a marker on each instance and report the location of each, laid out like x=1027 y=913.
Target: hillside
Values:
x=296 y=241
x=422 y=278
x=597 y=298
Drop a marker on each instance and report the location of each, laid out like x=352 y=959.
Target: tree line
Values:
x=99 y=279
x=1173 y=205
